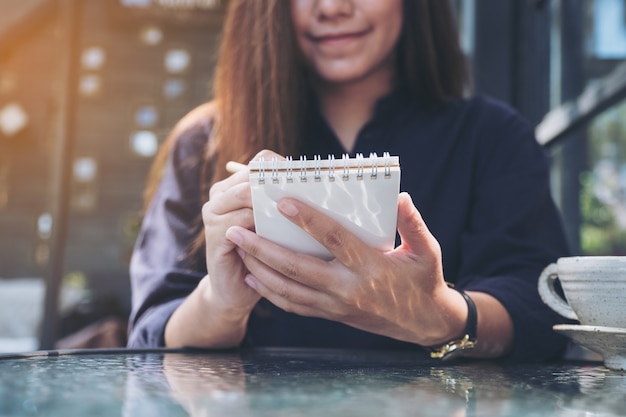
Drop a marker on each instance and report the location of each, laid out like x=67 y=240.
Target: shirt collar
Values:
x=324 y=141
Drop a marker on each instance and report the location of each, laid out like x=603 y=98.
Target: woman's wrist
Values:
x=493 y=335
x=460 y=345
x=495 y=327
x=444 y=320
x=453 y=316
x=204 y=321
x=217 y=306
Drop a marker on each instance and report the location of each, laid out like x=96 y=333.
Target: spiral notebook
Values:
x=361 y=193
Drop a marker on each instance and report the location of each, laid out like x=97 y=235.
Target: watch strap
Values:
x=471 y=327
x=454 y=347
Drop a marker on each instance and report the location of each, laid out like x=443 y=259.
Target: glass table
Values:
x=298 y=382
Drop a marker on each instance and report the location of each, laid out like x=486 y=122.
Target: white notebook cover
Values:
x=360 y=193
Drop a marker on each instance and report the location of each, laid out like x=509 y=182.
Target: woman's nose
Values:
x=331 y=9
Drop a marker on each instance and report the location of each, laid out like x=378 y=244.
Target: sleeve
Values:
x=514 y=230
x=162 y=272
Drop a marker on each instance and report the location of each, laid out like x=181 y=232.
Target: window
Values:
x=608 y=38
x=144 y=143
x=135 y=3
x=146 y=116
x=151 y=35
x=13 y=119
x=90 y=85
x=85 y=169
x=84 y=184
x=603 y=185
x=174 y=88
x=44 y=226
x=177 y=60
x=93 y=58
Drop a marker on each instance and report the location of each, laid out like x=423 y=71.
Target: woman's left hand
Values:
x=401 y=293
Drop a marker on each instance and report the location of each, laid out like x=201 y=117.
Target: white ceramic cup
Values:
x=594 y=288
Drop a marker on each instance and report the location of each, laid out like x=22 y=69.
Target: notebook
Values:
x=361 y=193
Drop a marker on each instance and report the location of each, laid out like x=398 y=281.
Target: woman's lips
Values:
x=337 y=38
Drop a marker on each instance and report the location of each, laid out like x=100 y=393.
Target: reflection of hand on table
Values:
x=199 y=384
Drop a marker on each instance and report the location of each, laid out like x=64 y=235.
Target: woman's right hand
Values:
x=229 y=204
x=215 y=314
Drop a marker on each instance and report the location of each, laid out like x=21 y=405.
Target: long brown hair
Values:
x=261 y=88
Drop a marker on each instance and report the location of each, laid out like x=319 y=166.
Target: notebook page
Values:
x=360 y=193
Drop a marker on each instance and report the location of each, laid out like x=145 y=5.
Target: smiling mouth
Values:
x=337 y=38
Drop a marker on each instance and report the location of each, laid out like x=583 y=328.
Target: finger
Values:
x=414 y=233
x=277 y=286
x=343 y=244
x=242 y=217
x=284 y=302
x=229 y=182
x=215 y=228
x=241 y=173
x=232 y=167
x=236 y=197
x=267 y=155
x=307 y=270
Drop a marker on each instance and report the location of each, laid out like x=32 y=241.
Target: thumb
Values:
x=414 y=233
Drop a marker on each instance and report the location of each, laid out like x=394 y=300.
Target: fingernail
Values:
x=251 y=281
x=287 y=208
x=234 y=236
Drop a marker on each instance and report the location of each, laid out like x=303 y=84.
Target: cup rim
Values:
x=591 y=268
x=585 y=260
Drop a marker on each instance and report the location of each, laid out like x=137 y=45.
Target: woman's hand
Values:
x=229 y=205
x=215 y=315
x=400 y=294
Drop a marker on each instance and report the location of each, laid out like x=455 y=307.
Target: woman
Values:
x=328 y=77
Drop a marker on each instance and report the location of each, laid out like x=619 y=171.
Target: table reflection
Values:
x=199 y=385
x=299 y=383
x=294 y=382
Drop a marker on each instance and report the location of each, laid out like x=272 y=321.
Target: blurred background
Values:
x=89 y=89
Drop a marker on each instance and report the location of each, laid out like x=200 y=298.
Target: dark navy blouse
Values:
x=475 y=173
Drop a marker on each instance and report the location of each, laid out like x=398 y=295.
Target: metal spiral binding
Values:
x=355 y=165
x=387 y=159
x=302 y=168
x=274 y=170
x=261 y=170
x=359 y=166
x=317 y=168
x=374 y=160
x=289 y=169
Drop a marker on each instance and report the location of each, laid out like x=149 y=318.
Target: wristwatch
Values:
x=454 y=348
